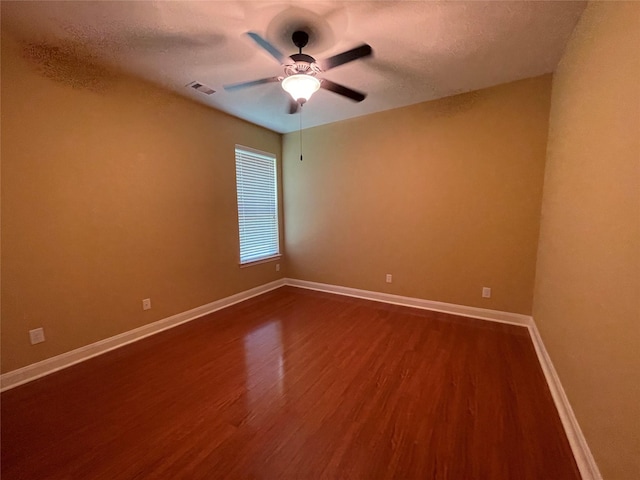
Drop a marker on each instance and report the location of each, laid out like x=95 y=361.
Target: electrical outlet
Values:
x=36 y=335
x=486 y=292
x=146 y=304
x=389 y=278
x=277 y=267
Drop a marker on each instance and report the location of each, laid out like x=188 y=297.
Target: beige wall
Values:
x=443 y=195
x=587 y=294
x=112 y=191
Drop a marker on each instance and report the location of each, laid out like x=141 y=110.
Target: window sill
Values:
x=262 y=260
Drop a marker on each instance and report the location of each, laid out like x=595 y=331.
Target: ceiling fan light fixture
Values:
x=300 y=87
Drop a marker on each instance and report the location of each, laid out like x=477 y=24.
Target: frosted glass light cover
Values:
x=300 y=86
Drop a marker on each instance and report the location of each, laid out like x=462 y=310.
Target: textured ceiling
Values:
x=422 y=50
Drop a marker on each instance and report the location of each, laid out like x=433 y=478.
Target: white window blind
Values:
x=256 y=181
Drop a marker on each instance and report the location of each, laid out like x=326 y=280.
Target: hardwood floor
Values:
x=296 y=384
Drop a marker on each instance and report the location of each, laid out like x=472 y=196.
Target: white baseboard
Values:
x=64 y=360
x=582 y=454
x=463 y=310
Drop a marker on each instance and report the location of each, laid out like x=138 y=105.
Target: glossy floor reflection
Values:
x=296 y=384
x=265 y=371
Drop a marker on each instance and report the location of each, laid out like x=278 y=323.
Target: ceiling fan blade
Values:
x=273 y=51
x=342 y=90
x=294 y=107
x=238 y=86
x=363 y=50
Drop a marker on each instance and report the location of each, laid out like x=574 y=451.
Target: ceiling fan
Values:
x=300 y=71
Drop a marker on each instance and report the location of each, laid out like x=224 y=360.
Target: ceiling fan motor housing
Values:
x=303 y=64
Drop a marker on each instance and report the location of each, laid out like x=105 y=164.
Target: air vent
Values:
x=201 y=88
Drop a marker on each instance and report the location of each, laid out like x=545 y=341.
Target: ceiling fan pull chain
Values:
x=300 y=130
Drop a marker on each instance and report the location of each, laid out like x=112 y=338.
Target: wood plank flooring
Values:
x=296 y=384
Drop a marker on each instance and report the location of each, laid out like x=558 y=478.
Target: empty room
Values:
x=320 y=240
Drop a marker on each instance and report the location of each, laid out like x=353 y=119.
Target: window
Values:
x=257 y=185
